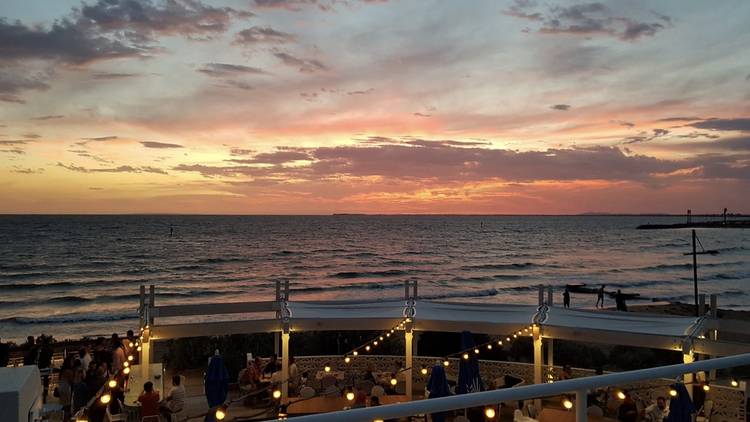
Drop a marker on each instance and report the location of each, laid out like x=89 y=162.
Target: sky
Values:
x=379 y=106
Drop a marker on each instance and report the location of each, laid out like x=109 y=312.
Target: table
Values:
x=136 y=380
x=326 y=404
x=339 y=375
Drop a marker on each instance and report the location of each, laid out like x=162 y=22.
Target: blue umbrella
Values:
x=217 y=381
x=681 y=408
x=469 y=379
x=438 y=387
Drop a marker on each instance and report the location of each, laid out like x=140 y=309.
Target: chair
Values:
x=595 y=412
x=705 y=411
x=377 y=391
x=180 y=416
x=307 y=392
x=122 y=416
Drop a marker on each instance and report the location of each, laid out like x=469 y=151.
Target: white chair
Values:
x=180 y=416
x=708 y=406
x=122 y=416
x=307 y=392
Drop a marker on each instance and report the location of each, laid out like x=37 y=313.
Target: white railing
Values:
x=579 y=386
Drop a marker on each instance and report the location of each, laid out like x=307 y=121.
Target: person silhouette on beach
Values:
x=566 y=298
x=600 y=296
x=620 y=301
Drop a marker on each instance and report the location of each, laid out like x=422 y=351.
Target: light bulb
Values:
x=507 y=338
x=126 y=364
x=387 y=334
x=381 y=338
x=621 y=395
x=394 y=381
x=350 y=396
x=466 y=356
x=105 y=398
x=327 y=369
x=138 y=348
x=489 y=412
x=476 y=351
x=446 y=363
x=130 y=344
x=567 y=404
x=735 y=383
x=220 y=414
x=355 y=353
x=130 y=358
x=126 y=371
x=706 y=387
x=367 y=348
x=672 y=392
x=424 y=371
x=347 y=359
x=112 y=384
x=499 y=342
x=375 y=343
x=489 y=347
x=276 y=394
x=515 y=336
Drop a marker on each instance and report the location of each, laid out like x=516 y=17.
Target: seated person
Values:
x=149 y=400
x=656 y=412
x=248 y=377
x=272 y=366
x=174 y=402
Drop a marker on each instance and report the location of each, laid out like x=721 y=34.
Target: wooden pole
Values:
x=537 y=335
x=285 y=367
x=695 y=276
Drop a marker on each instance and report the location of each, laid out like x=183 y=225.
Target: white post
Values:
x=408 y=340
x=550 y=358
x=687 y=378
x=714 y=334
x=285 y=368
x=536 y=332
x=581 y=406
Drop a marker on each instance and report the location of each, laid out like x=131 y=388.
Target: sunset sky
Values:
x=324 y=106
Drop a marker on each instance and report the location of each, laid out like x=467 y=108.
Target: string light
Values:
x=276 y=394
x=466 y=356
x=423 y=371
x=489 y=412
x=446 y=363
x=126 y=371
x=489 y=347
x=350 y=396
x=126 y=364
x=673 y=392
x=367 y=348
x=394 y=381
x=221 y=413
x=347 y=359
x=621 y=395
x=706 y=388
x=381 y=338
x=476 y=351
x=130 y=358
x=130 y=344
x=112 y=383
x=327 y=368
x=387 y=334
x=567 y=403
x=138 y=348
x=735 y=383
x=355 y=353
x=375 y=343
x=105 y=398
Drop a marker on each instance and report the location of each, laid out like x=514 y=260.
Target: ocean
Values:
x=71 y=276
